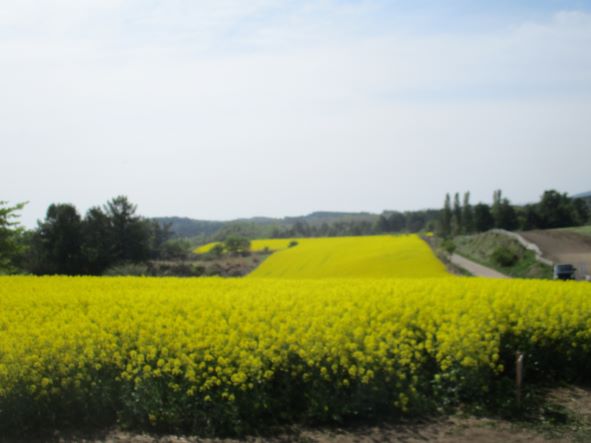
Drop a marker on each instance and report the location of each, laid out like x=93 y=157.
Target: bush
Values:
x=217 y=251
x=237 y=246
x=135 y=269
x=448 y=246
x=292 y=244
x=503 y=256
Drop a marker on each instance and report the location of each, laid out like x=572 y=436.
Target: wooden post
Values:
x=518 y=376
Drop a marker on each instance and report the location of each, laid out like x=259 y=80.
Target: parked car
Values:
x=564 y=272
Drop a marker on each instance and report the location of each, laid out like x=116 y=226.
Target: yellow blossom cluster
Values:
x=266 y=344
x=376 y=256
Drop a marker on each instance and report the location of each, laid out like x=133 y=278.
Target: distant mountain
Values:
x=583 y=195
x=188 y=227
x=319 y=217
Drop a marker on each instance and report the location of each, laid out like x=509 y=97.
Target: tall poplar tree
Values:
x=467 y=215
x=446 y=217
x=456 y=221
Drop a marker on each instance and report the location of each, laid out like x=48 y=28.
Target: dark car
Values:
x=564 y=272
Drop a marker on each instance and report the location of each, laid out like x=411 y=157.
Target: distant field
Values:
x=367 y=256
x=273 y=244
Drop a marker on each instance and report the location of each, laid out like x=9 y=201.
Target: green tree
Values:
x=506 y=216
x=383 y=224
x=467 y=215
x=11 y=245
x=97 y=241
x=556 y=210
x=483 y=219
x=58 y=242
x=529 y=218
x=446 y=215
x=130 y=234
x=456 y=221
x=159 y=234
x=496 y=205
x=397 y=221
x=582 y=213
x=237 y=245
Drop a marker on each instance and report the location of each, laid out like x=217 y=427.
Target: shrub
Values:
x=503 y=256
x=448 y=246
x=131 y=269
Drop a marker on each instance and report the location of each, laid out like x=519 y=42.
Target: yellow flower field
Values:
x=379 y=256
x=376 y=256
x=211 y=354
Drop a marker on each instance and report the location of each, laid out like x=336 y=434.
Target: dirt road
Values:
x=474 y=268
x=564 y=247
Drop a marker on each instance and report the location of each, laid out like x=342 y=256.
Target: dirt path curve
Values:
x=564 y=247
x=474 y=268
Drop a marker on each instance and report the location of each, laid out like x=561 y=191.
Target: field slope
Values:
x=369 y=256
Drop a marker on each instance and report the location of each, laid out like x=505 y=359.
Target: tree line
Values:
x=554 y=210
x=67 y=243
x=113 y=234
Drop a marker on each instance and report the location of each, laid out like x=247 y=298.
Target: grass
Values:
x=481 y=248
x=585 y=230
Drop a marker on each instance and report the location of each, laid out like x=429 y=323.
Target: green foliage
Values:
x=237 y=245
x=217 y=250
x=456 y=220
x=446 y=217
x=448 y=246
x=11 y=245
x=467 y=215
x=292 y=243
x=130 y=269
x=130 y=235
x=504 y=214
x=557 y=210
x=503 y=256
x=483 y=220
x=97 y=246
x=503 y=253
x=57 y=245
x=176 y=249
x=64 y=243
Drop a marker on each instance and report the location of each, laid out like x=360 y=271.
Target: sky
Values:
x=230 y=108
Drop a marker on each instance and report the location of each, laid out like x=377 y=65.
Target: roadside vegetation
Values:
x=502 y=253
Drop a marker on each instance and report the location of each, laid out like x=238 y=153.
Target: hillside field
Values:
x=380 y=256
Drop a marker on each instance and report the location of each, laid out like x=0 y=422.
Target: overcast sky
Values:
x=232 y=108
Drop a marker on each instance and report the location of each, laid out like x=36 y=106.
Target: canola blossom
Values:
x=216 y=354
x=378 y=256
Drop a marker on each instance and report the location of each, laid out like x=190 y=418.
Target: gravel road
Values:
x=474 y=268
